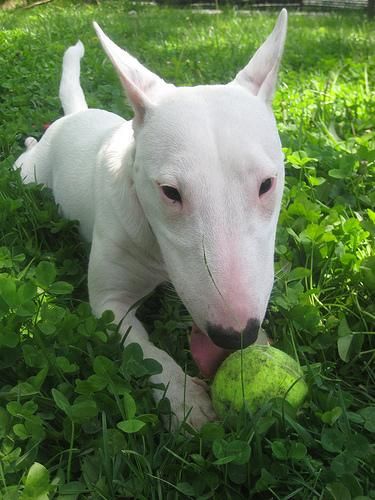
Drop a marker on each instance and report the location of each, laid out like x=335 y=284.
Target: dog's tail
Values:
x=71 y=94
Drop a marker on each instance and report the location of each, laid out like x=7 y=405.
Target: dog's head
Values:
x=210 y=166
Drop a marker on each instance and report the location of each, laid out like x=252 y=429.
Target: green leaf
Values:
x=354 y=417
x=129 y=405
x=18 y=410
x=93 y=384
x=14 y=408
x=357 y=445
x=331 y=416
x=52 y=313
x=297 y=451
x=8 y=291
x=186 y=489
x=343 y=347
x=20 y=431
x=218 y=448
x=35 y=429
x=351 y=226
x=37 y=380
x=344 y=328
x=88 y=327
x=115 y=442
x=338 y=174
x=312 y=233
x=349 y=346
x=198 y=459
x=134 y=368
x=344 y=463
x=298 y=273
x=24 y=389
x=108 y=317
x=233 y=451
x=152 y=366
x=367 y=271
x=353 y=484
x=299 y=159
x=65 y=365
x=371 y=215
x=74 y=488
x=368 y=414
x=279 y=450
x=26 y=292
x=332 y=440
x=338 y=491
x=265 y=481
x=36 y=483
x=32 y=356
x=366 y=153
x=264 y=424
x=45 y=274
x=60 y=288
x=316 y=181
x=131 y=426
x=101 y=336
x=4 y=422
x=240 y=450
x=26 y=309
x=345 y=170
x=83 y=410
x=224 y=460
x=5 y=258
x=61 y=401
x=307 y=317
x=9 y=338
x=149 y=418
x=212 y=431
x=132 y=351
x=238 y=473
x=46 y=327
x=12 y=455
x=104 y=367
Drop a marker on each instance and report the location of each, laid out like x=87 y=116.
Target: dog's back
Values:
x=78 y=138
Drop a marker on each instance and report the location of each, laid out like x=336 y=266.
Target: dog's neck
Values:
x=137 y=236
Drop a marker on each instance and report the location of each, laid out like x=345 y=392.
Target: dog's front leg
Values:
x=117 y=283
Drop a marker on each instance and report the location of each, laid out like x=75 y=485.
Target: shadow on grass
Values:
x=184 y=47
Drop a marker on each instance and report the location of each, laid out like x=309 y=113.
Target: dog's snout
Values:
x=228 y=338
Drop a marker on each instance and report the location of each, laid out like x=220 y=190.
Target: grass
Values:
x=77 y=419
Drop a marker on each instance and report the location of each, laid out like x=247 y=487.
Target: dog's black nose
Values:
x=228 y=338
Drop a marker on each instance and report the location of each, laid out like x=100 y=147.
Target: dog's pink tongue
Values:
x=206 y=354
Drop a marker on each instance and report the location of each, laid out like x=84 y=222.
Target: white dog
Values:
x=189 y=191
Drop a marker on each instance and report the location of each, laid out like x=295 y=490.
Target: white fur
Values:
x=216 y=145
x=71 y=95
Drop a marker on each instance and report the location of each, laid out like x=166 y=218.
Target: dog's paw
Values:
x=30 y=142
x=190 y=402
x=198 y=407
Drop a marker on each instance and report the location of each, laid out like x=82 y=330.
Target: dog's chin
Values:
x=207 y=355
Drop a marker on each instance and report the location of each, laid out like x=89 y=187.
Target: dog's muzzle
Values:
x=228 y=338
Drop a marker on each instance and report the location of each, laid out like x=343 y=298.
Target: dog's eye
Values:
x=266 y=186
x=171 y=193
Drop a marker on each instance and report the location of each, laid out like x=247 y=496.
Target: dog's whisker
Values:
x=282 y=272
x=209 y=270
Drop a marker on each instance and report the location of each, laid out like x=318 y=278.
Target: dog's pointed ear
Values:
x=140 y=84
x=260 y=75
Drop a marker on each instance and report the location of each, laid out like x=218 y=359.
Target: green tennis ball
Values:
x=266 y=373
